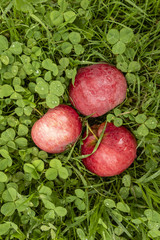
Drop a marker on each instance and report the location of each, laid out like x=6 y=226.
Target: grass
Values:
x=77 y=205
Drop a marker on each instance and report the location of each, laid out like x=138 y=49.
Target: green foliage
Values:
x=43 y=43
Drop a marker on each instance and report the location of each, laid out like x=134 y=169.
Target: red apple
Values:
x=116 y=151
x=58 y=128
x=97 y=89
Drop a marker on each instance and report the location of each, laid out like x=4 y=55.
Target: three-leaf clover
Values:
x=55 y=170
x=119 y=39
x=145 y=124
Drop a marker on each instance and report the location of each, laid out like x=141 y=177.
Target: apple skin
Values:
x=58 y=128
x=97 y=89
x=116 y=152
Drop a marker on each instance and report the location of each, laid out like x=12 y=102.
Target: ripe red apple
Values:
x=97 y=89
x=58 y=128
x=116 y=151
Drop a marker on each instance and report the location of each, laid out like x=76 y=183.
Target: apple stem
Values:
x=90 y=129
x=38 y=112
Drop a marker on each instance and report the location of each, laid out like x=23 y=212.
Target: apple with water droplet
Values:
x=59 y=128
x=115 y=153
x=97 y=89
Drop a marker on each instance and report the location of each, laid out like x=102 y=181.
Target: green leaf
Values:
x=4 y=164
x=142 y=130
x=119 y=48
x=66 y=47
x=118 y=122
x=28 y=68
x=6 y=90
x=69 y=16
x=79 y=49
x=130 y=53
x=126 y=180
x=52 y=100
x=49 y=65
x=80 y=204
x=16 y=48
x=5 y=153
x=11 y=144
x=113 y=36
x=137 y=191
x=81 y=234
x=2 y=185
x=117 y=111
x=152 y=215
x=75 y=37
x=84 y=4
x=45 y=228
x=43 y=155
x=110 y=117
x=140 y=118
x=29 y=168
x=64 y=62
x=21 y=142
x=37 y=51
x=55 y=163
x=3 y=177
x=134 y=66
x=28 y=110
x=51 y=174
x=124 y=192
x=126 y=35
x=71 y=74
x=9 y=195
x=56 y=88
x=21 y=204
x=4 y=227
x=19 y=111
x=19 y=88
x=9 y=134
x=50 y=215
x=4 y=59
x=123 y=66
x=42 y=87
x=71 y=199
x=23 y=5
x=109 y=203
x=63 y=173
x=151 y=123
x=22 y=130
x=45 y=190
x=131 y=78
x=14 y=70
x=123 y=207
x=25 y=59
x=3 y=43
x=48 y=76
x=8 y=75
x=118 y=230
x=48 y=204
x=63 y=5
x=154 y=233
x=60 y=211
x=80 y=193
x=38 y=164
x=56 y=17
x=8 y=209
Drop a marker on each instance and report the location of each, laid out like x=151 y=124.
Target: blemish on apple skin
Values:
x=121 y=141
